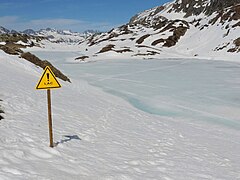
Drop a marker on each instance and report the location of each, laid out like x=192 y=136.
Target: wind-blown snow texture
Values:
x=192 y=133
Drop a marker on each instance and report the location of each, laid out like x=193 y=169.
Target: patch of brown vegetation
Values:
x=38 y=62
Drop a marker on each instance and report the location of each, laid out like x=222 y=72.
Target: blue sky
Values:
x=77 y=15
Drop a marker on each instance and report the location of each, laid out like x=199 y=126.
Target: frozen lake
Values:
x=197 y=90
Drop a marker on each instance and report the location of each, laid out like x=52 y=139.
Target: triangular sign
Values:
x=48 y=80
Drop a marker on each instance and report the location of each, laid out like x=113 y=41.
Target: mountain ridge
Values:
x=53 y=35
x=171 y=27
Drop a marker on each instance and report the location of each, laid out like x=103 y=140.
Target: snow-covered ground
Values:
x=121 y=120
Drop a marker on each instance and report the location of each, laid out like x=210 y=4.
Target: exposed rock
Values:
x=107 y=48
x=193 y=7
x=148 y=53
x=12 y=49
x=123 y=50
x=82 y=58
x=35 y=60
x=219 y=5
x=125 y=30
x=109 y=36
x=236 y=25
x=178 y=31
x=230 y=14
x=236 y=43
x=110 y=47
x=158 y=41
x=190 y=7
x=14 y=42
x=141 y=39
x=1 y=112
x=222 y=47
x=157 y=22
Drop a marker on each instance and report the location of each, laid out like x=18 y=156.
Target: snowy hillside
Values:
x=177 y=29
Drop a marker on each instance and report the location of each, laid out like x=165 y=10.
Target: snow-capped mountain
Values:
x=29 y=32
x=60 y=36
x=4 y=30
x=206 y=28
x=52 y=35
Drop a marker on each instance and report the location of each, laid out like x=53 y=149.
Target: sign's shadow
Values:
x=68 y=138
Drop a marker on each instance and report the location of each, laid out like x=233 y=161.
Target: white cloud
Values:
x=16 y=23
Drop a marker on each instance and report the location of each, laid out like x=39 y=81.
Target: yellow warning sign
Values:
x=48 y=80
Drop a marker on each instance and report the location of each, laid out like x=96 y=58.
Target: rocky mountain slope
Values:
x=184 y=27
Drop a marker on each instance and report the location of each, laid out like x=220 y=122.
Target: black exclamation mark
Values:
x=48 y=77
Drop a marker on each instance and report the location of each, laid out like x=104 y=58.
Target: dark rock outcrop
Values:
x=82 y=58
x=1 y=112
x=107 y=48
x=38 y=62
x=220 y=5
x=191 y=7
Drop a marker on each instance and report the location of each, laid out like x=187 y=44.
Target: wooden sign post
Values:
x=48 y=81
x=50 y=117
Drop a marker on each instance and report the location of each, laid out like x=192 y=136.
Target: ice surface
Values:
x=168 y=87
